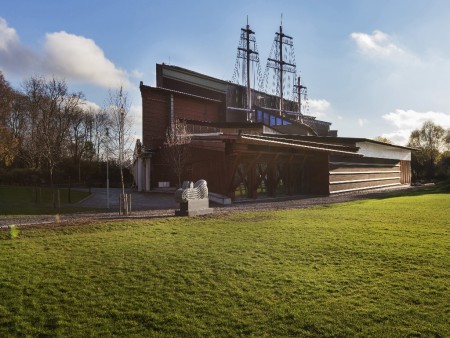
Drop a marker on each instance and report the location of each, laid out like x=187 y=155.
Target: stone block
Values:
x=194 y=208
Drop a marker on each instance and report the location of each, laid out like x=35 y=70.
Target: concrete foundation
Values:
x=194 y=208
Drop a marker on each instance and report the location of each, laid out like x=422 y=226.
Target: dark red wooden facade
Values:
x=160 y=105
x=247 y=166
x=239 y=160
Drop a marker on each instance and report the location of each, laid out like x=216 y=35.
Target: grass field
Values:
x=377 y=267
x=37 y=201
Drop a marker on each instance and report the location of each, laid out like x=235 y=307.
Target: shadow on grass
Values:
x=25 y=200
x=442 y=187
x=30 y=209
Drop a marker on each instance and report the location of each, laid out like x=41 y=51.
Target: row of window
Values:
x=270 y=119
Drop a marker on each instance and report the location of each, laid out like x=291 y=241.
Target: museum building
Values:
x=247 y=143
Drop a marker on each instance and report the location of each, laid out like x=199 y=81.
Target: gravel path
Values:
x=261 y=204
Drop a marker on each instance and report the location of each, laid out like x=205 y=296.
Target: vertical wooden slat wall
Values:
x=405 y=170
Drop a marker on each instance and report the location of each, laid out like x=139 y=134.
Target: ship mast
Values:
x=301 y=90
x=280 y=65
x=247 y=51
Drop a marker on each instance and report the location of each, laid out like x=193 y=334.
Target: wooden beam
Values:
x=244 y=174
x=269 y=166
x=232 y=173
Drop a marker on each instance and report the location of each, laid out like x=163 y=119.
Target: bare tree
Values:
x=9 y=146
x=177 y=149
x=18 y=117
x=34 y=95
x=50 y=108
x=101 y=123
x=9 y=143
x=120 y=137
x=82 y=137
x=78 y=137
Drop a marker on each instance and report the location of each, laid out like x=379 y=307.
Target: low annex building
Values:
x=250 y=153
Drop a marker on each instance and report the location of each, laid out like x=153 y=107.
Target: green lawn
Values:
x=37 y=201
x=377 y=267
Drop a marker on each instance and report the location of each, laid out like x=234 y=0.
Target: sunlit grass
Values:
x=366 y=268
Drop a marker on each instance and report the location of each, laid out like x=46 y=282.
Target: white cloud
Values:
x=78 y=58
x=15 y=57
x=410 y=119
x=317 y=108
x=407 y=120
x=378 y=44
x=399 y=137
x=73 y=57
x=8 y=35
x=136 y=115
x=136 y=112
x=91 y=105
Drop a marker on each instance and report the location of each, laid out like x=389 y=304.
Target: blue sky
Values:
x=372 y=68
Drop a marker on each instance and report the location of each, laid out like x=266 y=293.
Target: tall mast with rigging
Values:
x=281 y=62
x=300 y=90
x=248 y=52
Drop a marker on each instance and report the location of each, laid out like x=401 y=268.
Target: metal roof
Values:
x=341 y=140
x=178 y=92
x=331 y=149
x=272 y=141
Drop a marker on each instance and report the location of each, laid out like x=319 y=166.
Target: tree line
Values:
x=431 y=158
x=50 y=135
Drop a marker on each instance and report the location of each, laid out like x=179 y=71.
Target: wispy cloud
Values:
x=406 y=79
x=362 y=122
x=136 y=73
x=73 y=57
x=377 y=44
x=407 y=120
x=413 y=119
x=136 y=116
x=318 y=107
x=136 y=113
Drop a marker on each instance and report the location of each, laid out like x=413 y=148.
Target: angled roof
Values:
x=171 y=91
x=339 y=140
x=280 y=142
x=310 y=146
x=167 y=72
